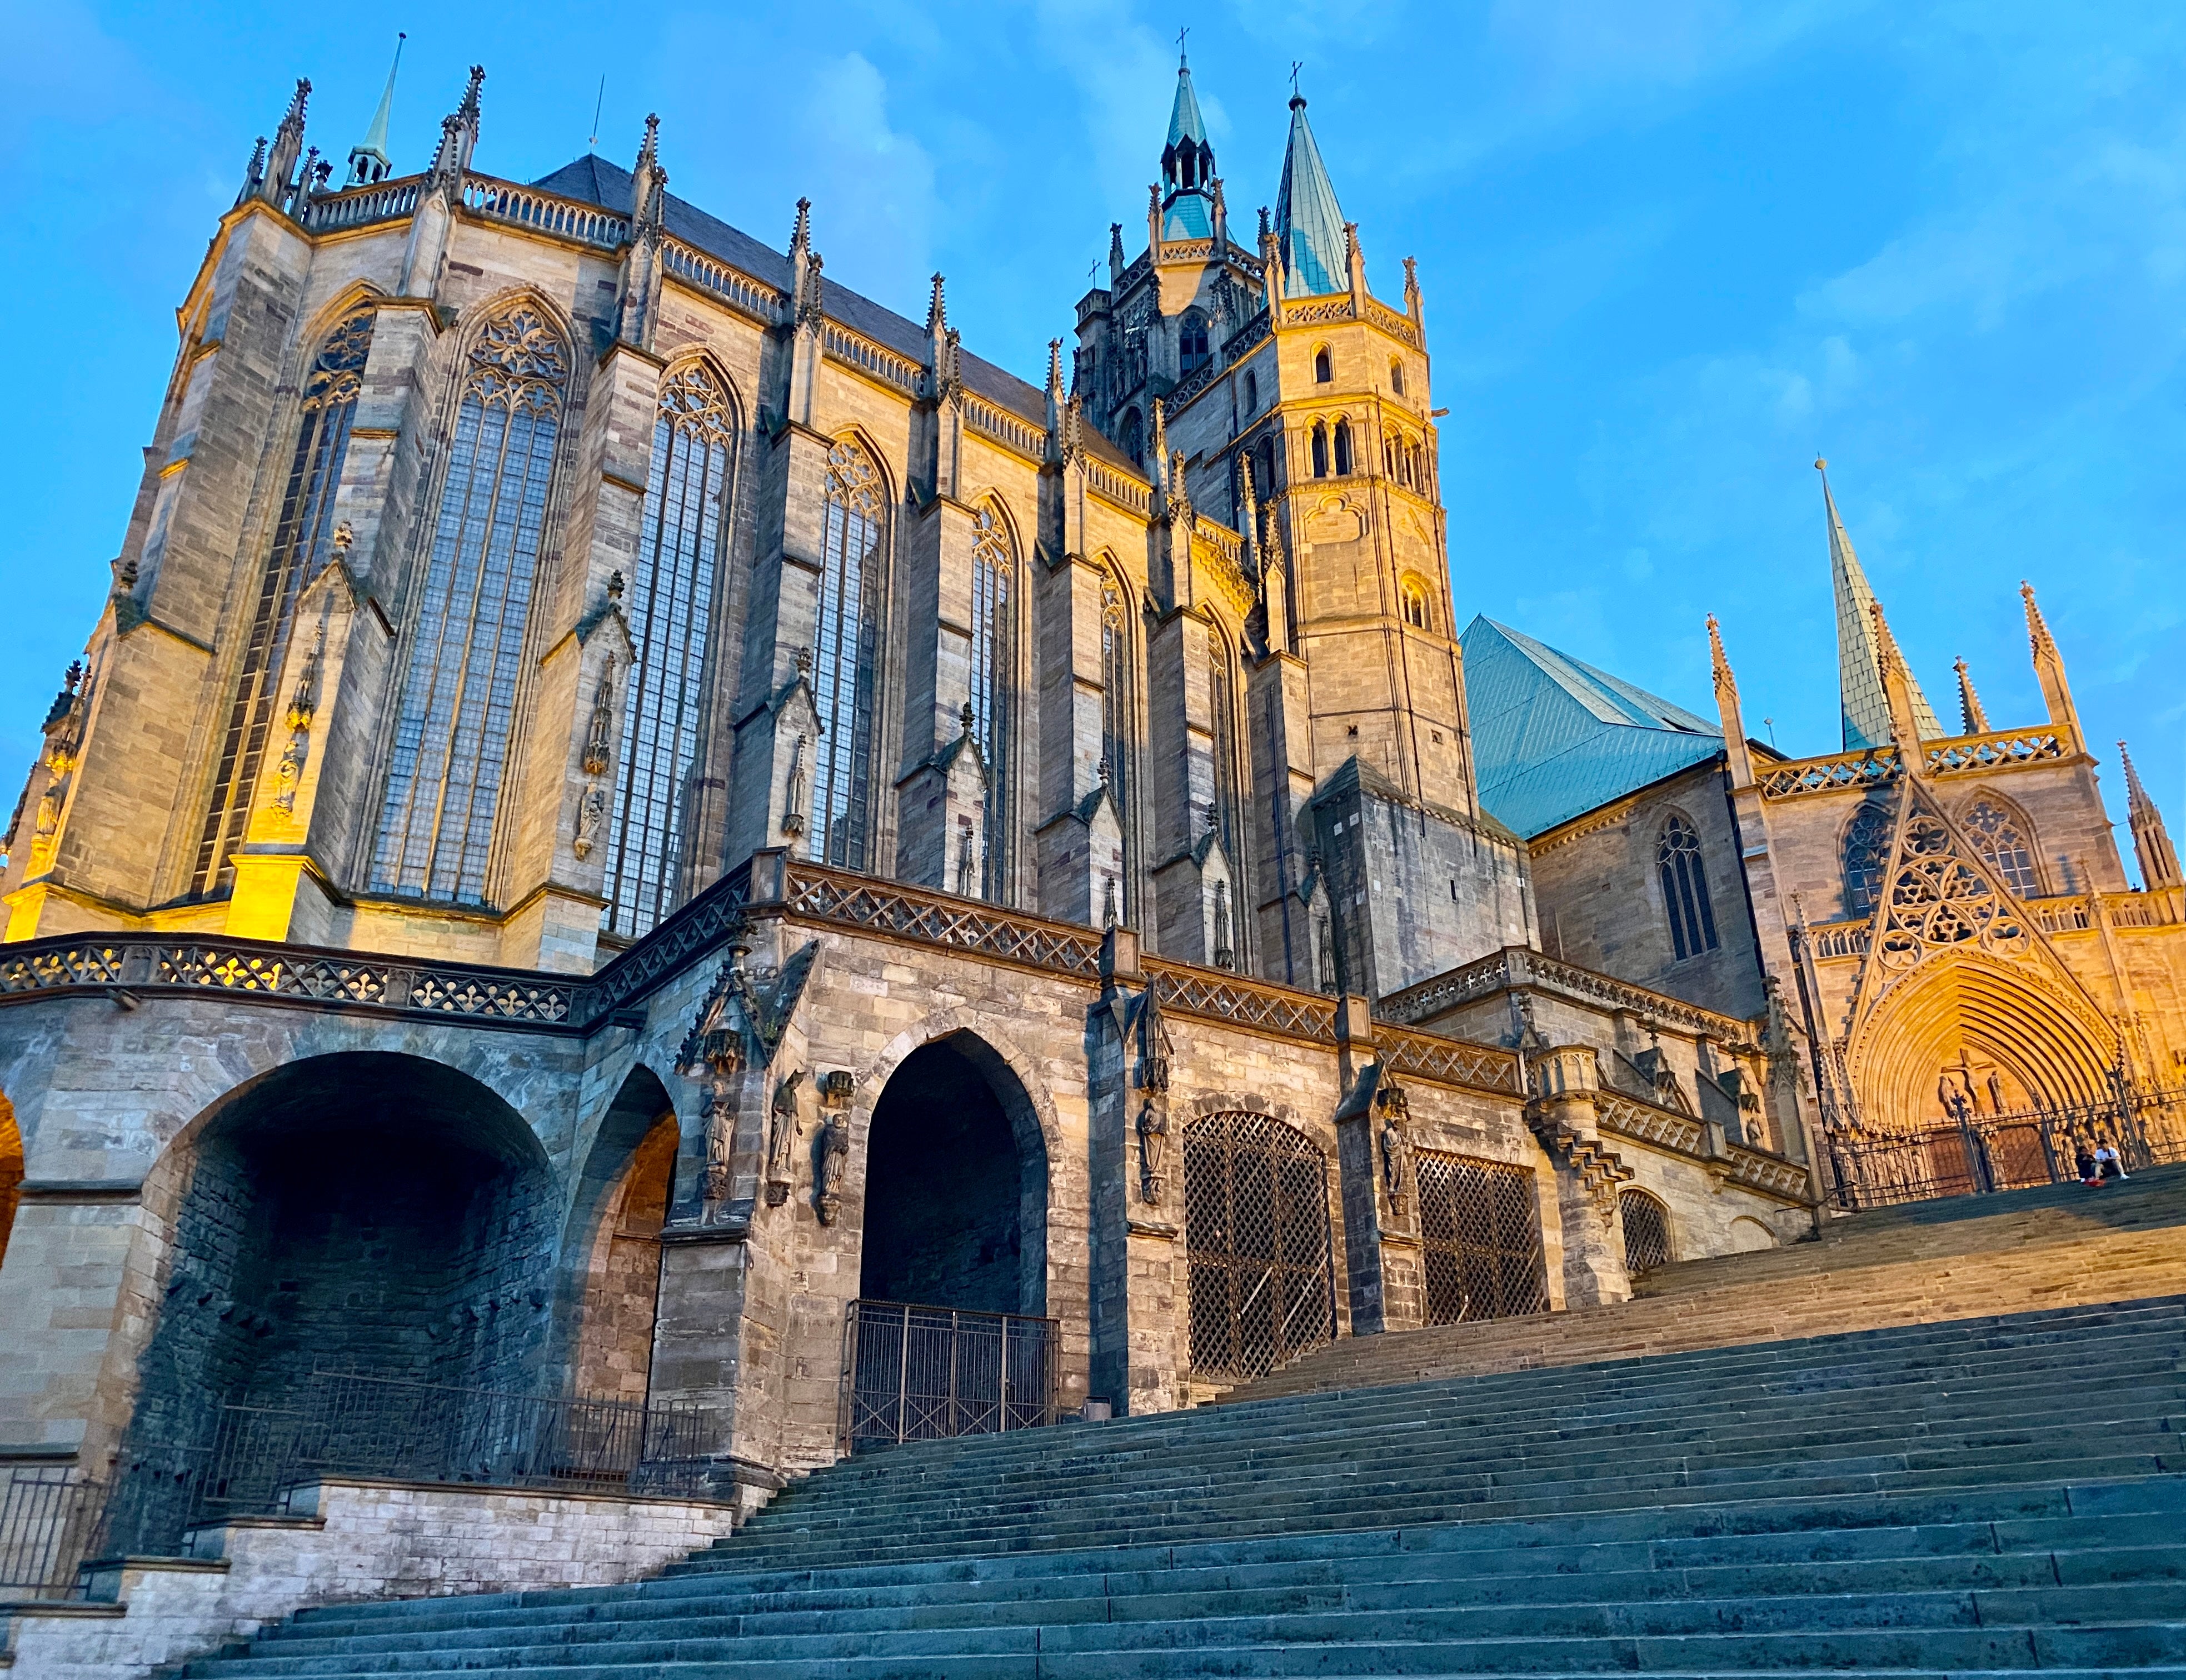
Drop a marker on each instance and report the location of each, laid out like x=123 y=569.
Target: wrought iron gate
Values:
x=1257 y=1238
x=1480 y=1226
x=1646 y=1230
x=919 y=1372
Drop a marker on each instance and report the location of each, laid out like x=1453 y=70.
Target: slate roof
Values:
x=593 y=180
x=1184 y=123
x=1866 y=707
x=1553 y=738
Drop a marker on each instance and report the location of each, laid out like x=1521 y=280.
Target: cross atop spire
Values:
x=368 y=159
x=1865 y=706
x=1188 y=163
x=1309 y=221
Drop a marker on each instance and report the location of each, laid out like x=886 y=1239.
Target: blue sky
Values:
x=1669 y=251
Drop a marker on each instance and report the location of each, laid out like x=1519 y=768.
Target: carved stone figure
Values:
x=781 y=1139
x=1154 y=1152
x=834 y=1161
x=1395 y=1109
x=591 y=814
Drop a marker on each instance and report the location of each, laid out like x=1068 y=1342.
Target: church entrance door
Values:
x=1257 y=1236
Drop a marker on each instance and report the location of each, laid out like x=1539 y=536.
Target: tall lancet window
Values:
x=457 y=707
x=843 y=662
x=303 y=537
x=1685 y=889
x=2003 y=846
x=1222 y=713
x=671 y=610
x=1116 y=720
x=992 y=653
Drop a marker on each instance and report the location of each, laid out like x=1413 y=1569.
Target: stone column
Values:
x=1566 y=1119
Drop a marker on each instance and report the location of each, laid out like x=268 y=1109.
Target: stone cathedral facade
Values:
x=628 y=805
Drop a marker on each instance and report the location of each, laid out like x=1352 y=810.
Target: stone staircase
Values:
x=1926 y=1263
x=1976 y=1496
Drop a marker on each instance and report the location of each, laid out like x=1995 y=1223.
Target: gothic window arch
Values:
x=993 y=648
x=1644 y=1223
x=843 y=662
x=1865 y=849
x=1685 y=889
x=2005 y=841
x=303 y=538
x=1191 y=342
x=1320 y=450
x=1263 y=482
x=1116 y=692
x=1252 y=393
x=1222 y=714
x=1396 y=376
x=1135 y=437
x=458 y=708
x=1418 y=612
x=1324 y=368
x=1344 y=463
x=670 y=603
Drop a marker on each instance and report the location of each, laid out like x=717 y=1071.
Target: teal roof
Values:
x=1184 y=121
x=1553 y=738
x=1308 y=223
x=1188 y=217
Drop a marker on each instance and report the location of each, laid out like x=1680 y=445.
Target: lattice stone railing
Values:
x=732 y=286
x=1398 y=327
x=1756 y=1168
x=1219 y=996
x=544 y=212
x=1834 y=775
x=1516 y=965
x=1315 y=311
x=1844 y=772
x=1992 y=752
x=362 y=207
x=1428 y=1055
x=931 y=918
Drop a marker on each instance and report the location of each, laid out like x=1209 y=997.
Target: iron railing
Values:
x=1480 y=1234
x=1258 y=1243
x=48 y=1514
x=254 y=1456
x=1978 y=1153
x=915 y=1372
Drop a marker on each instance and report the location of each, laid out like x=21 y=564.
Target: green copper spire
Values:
x=1308 y=224
x=1866 y=708
x=368 y=159
x=1187 y=166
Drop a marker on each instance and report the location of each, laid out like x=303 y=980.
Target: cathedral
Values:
x=636 y=826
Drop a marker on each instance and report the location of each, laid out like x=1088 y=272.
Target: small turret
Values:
x=277 y=182
x=1972 y=718
x=2159 y=862
x=2049 y=669
x=368 y=164
x=459 y=134
x=1738 y=756
x=1186 y=199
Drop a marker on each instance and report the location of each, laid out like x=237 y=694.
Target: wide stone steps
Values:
x=1927 y=1263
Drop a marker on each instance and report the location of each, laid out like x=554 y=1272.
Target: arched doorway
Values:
x=344 y=1233
x=946 y=1336
x=1256 y=1235
x=955 y=1185
x=11 y=1172
x=622 y=1205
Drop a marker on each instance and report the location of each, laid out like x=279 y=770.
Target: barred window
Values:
x=1480 y=1230
x=457 y=707
x=843 y=663
x=1685 y=889
x=671 y=610
x=1646 y=1227
x=303 y=536
x=993 y=651
x=1116 y=692
x=1866 y=840
x=1257 y=1242
x=2003 y=846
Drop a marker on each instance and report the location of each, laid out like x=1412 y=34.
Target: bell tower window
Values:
x=1324 y=370
x=1191 y=342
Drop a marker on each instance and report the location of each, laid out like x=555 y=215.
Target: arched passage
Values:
x=11 y=1171
x=622 y=1202
x=363 y=1212
x=955 y=1185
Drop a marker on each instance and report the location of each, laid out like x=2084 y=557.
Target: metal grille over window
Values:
x=1480 y=1222
x=2003 y=846
x=919 y=1372
x=302 y=539
x=466 y=656
x=1685 y=889
x=843 y=663
x=671 y=610
x=1646 y=1229
x=1257 y=1237
x=992 y=648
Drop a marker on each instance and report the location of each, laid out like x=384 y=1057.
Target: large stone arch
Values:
x=1026 y=1108
x=609 y=1281
x=11 y=1172
x=2058 y=1049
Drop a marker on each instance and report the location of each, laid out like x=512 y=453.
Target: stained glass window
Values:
x=457 y=706
x=843 y=662
x=1866 y=839
x=671 y=610
x=1685 y=889
x=2003 y=846
x=303 y=537
x=992 y=644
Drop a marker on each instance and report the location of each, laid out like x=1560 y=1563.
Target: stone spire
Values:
x=275 y=184
x=2050 y=670
x=1971 y=718
x=368 y=164
x=2159 y=862
x=459 y=135
x=1308 y=222
x=1908 y=728
x=1738 y=756
x=1866 y=708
